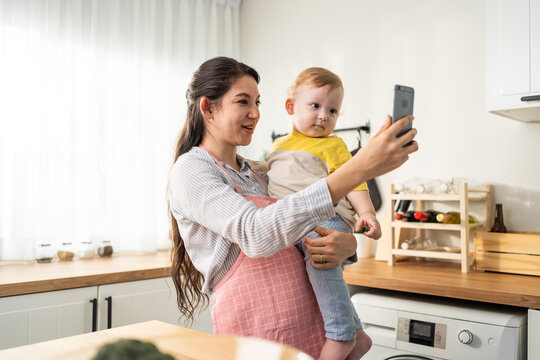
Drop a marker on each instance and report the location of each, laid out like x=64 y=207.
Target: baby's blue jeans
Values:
x=340 y=318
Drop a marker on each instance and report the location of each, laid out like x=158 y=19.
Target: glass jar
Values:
x=65 y=252
x=87 y=250
x=44 y=252
x=105 y=249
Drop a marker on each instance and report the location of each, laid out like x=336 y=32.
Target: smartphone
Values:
x=403 y=105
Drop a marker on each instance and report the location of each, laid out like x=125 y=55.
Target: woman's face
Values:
x=234 y=121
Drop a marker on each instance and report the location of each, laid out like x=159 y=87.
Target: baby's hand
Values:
x=368 y=220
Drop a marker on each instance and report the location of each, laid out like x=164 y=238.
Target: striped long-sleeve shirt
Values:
x=216 y=222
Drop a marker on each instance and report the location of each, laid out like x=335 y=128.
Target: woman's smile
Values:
x=248 y=128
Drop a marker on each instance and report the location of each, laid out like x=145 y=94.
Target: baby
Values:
x=297 y=160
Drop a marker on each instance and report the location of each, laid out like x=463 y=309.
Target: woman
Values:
x=230 y=239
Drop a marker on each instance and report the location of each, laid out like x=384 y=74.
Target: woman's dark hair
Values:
x=211 y=80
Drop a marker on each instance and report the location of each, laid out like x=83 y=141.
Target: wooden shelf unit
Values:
x=465 y=256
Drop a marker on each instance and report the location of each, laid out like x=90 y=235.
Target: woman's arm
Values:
x=201 y=195
x=383 y=153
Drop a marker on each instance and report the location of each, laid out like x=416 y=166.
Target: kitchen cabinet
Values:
x=137 y=301
x=513 y=59
x=533 y=334
x=27 y=319
x=31 y=318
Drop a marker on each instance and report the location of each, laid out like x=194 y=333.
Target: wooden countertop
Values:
x=179 y=342
x=26 y=277
x=446 y=279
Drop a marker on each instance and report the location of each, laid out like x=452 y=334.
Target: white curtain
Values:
x=92 y=96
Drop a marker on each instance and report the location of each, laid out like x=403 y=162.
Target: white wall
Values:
x=436 y=46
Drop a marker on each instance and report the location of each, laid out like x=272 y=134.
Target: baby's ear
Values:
x=289 y=106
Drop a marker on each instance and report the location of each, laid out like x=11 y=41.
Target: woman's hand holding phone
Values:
x=384 y=152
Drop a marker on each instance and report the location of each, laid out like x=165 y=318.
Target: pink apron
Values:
x=269 y=298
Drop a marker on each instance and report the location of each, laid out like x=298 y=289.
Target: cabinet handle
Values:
x=530 y=98
x=94 y=314
x=109 y=311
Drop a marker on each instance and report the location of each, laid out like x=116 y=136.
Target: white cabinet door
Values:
x=136 y=301
x=535 y=46
x=514 y=47
x=533 y=334
x=513 y=58
x=27 y=319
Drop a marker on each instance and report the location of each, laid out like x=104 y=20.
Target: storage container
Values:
x=517 y=252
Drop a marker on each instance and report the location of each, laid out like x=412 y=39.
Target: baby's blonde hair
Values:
x=316 y=77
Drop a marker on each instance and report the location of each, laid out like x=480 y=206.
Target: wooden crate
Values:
x=517 y=253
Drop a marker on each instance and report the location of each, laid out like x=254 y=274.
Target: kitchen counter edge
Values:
x=26 y=277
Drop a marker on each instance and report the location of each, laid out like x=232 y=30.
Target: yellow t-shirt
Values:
x=296 y=161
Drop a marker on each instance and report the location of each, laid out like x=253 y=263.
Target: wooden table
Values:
x=445 y=279
x=179 y=342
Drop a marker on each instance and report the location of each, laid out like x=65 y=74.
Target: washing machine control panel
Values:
x=422 y=332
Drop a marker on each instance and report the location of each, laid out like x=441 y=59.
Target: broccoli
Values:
x=129 y=349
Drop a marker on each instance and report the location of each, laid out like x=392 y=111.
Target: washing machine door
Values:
x=378 y=352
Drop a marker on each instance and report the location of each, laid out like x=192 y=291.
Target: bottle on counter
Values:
x=65 y=252
x=44 y=252
x=105 y=249
x=87 y=250
x=498 y=225
x=426 y=216
x=454 y=217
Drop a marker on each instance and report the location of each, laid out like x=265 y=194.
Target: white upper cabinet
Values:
x=535 y=46
x=513 y=58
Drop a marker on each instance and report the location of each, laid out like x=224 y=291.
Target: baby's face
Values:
x=315 y=110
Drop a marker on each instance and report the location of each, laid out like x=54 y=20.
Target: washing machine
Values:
x=407 y=326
